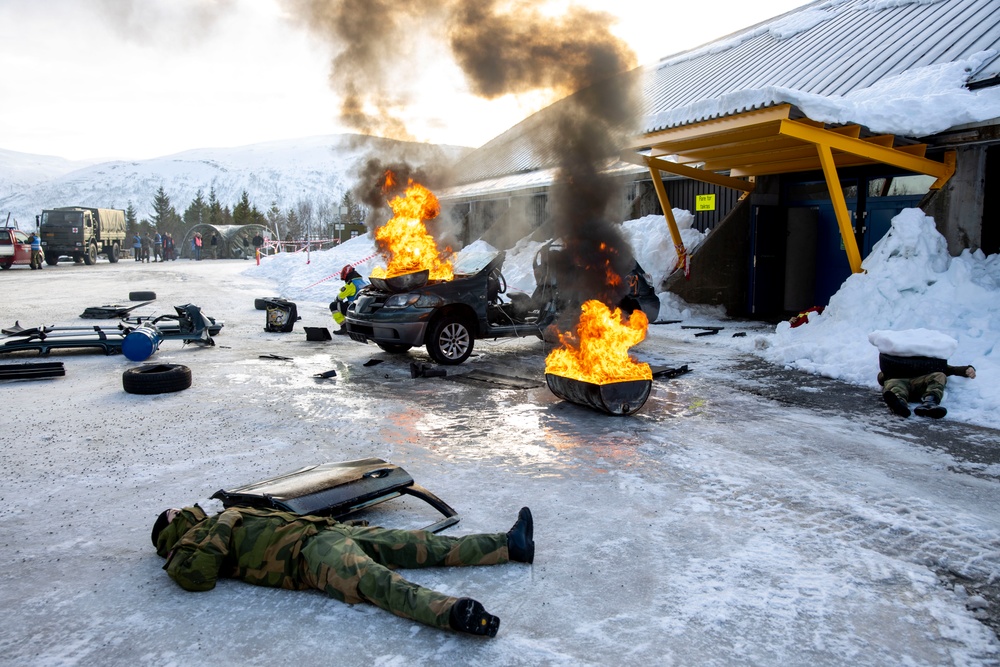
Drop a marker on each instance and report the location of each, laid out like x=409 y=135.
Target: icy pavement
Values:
x=745 y=515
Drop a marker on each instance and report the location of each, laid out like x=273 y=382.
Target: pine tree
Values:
x=197 y=212
x=241 y=212
x=214 y=209
x=131 y=220
x=161 y=209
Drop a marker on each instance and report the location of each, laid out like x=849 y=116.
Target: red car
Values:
x=15 y=247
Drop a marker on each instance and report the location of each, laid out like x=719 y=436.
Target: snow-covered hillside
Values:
x=314 y=169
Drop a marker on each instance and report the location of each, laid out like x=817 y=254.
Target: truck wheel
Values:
x=51 y=258
x=156 y=379
x=91 y=255
x=114 y=253
x=450 y=341
x=142 y=296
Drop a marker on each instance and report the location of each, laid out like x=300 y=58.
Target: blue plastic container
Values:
x=141 y=343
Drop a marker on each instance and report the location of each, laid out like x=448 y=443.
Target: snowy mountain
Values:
x=314 y=169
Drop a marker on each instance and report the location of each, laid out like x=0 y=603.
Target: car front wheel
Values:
x=450 y=341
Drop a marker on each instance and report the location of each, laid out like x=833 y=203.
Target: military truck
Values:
x=82 y=233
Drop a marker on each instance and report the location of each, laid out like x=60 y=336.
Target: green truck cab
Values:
x=82 y=233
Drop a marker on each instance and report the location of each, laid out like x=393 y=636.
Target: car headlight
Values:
x=415 y=300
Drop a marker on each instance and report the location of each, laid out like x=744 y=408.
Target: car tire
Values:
x=156 y=379
x=450 y=341
x=394 y=348
x=141 y=296
x=51 y=258
x=115 y=253
x=90 y=257
x=7 y=265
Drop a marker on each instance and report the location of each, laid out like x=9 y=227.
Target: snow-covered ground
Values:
x=909 y=282
x=713 y=527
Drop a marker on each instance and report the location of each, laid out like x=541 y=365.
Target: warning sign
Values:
x=704 y=202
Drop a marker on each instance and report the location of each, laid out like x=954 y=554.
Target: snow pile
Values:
x=910 y=282
x=914 y=343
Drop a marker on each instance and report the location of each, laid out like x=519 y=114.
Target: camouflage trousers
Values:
x=354 y=564
x=913 y=390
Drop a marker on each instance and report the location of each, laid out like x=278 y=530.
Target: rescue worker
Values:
x=353 y=282
x=36 y=251
x=351 y=561
x=900 y=387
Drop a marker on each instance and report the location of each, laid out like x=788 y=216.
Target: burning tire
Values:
x=450 y=341
x=156 y=379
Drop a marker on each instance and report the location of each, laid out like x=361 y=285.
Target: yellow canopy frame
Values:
x=770 y=141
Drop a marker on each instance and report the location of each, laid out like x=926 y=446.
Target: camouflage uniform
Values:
x=349 y=562
x=917 y=388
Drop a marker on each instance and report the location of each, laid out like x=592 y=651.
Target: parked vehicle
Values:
x=448 y=316
x=82 y=233
x=15 y=247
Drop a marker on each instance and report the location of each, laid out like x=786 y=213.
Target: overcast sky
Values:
x=133 y=79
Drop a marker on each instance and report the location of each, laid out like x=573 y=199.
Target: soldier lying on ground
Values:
x=349 y=561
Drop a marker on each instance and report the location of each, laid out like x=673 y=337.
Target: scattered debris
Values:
x=156 y=379
x=505 y=381
x=336 y=490
x=110 y=312
x=274 y=356
x=373 y=362
x=326 y=374
x=667 y=322
x=420 y=370
x=664 y=372
x=740 y=334
x=32 y=371
x=710 y=332
x=317 y=334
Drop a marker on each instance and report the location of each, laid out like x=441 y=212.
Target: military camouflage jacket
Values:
x=259 y=546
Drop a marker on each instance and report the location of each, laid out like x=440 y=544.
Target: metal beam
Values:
x=862 y=148
x=840 y=207
x=668 y=213
x=688 y=172
x=749 y=118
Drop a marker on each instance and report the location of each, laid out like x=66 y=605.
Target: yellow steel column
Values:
x=668 y=213
x=840 y=207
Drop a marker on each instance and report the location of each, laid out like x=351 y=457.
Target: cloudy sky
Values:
x=85 y=79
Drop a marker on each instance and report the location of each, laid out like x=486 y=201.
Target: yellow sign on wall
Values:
x=704 y=202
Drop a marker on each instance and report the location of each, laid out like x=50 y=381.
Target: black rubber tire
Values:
x=7 y=265
x=450 y=341
x=115 y=253
x=142 y=296
x=51 y=258
x=909 y=367
x=393 y=348
x=156 y=379
x=90 y=257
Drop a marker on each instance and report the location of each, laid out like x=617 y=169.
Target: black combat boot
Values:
x=931 y=408
x=470 y=617
x=896 y=404
x=520 y=538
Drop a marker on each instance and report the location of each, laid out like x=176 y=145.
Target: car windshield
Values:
x=469 y=262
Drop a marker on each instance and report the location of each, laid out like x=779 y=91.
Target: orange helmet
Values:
x=346 y=271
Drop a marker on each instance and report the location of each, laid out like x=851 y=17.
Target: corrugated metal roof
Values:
x=828 y=48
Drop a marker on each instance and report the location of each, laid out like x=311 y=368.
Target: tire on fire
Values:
x=156 y=379
x=450 y=340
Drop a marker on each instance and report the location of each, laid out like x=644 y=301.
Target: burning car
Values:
x=448 y=316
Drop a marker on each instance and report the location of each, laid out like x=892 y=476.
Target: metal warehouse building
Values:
x=798 y=201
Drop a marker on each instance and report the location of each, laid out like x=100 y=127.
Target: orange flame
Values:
x=598 y=352
x=404 y=238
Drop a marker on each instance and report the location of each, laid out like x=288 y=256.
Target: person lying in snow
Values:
x=348 y=561
x=913 y=368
